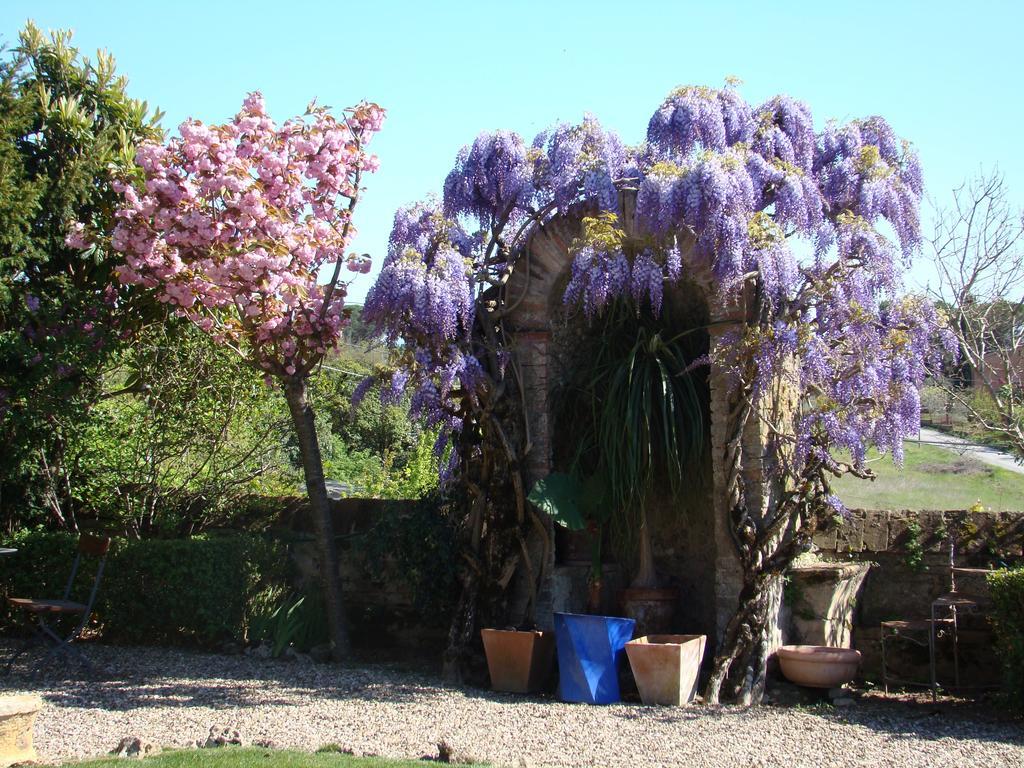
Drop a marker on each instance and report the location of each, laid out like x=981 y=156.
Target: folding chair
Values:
x=88 y=546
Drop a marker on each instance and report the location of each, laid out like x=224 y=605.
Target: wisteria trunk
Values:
x=489 y=556
x=743 y=655
x=316 y=489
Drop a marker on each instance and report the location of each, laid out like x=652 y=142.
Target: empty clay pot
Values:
x=666 y=667
x=518 y=662
x=818 y=666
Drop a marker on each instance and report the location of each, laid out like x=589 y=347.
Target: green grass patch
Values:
x=249 y=757
x=933 y=478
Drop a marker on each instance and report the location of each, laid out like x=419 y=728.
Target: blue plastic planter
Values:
x=590 y=649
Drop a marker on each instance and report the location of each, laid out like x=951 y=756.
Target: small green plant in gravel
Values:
x=331 y=748
x=249 y=757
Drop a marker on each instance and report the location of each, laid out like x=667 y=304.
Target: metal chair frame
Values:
x=952 y=604
x=88 y=545
x=905 y=630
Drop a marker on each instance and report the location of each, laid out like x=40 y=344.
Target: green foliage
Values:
x=913 y=547
x=199 y=591
x=412 y=475
x=1007 y=587
x=984 y=409
x=576 y=505
x=375 y=448
x=560 y=496
x=360 y=338
x=416 y=544
x=65 y=121
x=192 y=432
x=635 y=411
x=651 y=415
x=67 y=126
x=289 y=620
x=110 y=408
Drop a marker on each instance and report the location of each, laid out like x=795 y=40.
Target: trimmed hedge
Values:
x=1007 y=587
x=199 y=591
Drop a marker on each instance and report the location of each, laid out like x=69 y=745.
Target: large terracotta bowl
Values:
x=818 y=666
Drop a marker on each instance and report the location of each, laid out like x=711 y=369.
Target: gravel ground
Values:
x=172 y=698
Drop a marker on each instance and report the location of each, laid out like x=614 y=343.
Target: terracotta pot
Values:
x=666 y=667
x=573 y=547
x=652 y=608
x=518 y=662
x=818 y=666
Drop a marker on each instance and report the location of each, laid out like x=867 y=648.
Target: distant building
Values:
x=998 y=373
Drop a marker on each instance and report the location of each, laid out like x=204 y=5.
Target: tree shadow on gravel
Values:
x=130 y=678
x=915 y=716
x=918 y=717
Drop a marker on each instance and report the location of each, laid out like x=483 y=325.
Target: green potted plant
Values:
x=590 y=646
x=578 y=505
x=637 y=415
x=519 y=661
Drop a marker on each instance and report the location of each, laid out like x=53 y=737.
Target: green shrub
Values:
x=199 y=591
x=289 y=620
x=1007 y=587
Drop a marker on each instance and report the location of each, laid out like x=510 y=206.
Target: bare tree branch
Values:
x=978 y=251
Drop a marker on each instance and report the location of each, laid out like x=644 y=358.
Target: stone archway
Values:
x=706 y=565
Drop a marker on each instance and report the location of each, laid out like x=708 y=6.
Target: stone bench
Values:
x=17 y=719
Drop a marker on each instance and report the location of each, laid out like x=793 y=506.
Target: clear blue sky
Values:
x=947 y=75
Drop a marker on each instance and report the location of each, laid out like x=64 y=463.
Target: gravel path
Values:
x=172 y=698
x=984 y=453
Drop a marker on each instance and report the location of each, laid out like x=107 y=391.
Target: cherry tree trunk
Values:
x=316 y=488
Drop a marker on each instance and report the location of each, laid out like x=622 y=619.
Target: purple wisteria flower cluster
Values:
x=742 y=184
x=575 y=160
x=491 y=179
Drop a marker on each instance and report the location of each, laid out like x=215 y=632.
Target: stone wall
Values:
x=910 y=556
x=379 y=598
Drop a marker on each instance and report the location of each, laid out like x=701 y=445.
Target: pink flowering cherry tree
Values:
x=234 y=226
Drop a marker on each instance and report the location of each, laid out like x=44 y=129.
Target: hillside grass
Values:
x=933 y=478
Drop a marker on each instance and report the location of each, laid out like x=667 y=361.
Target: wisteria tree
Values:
x=722 y=190
x=233 y=225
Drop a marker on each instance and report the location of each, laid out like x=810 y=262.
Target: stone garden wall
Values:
x=381 y=598
x=909 y=553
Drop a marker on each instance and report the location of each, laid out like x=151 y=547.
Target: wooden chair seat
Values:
x=914 y=625
x=46 y=606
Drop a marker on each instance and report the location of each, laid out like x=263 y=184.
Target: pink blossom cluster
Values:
x=235 y=221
